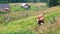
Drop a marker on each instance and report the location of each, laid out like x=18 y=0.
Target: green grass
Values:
x=52 y=17
x=18 y=8
x=1 y=12
x=15 y=8
x=20 y=13
x=15 y=27
x=27 y=26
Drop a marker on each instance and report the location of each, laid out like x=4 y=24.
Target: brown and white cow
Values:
x=40 y=19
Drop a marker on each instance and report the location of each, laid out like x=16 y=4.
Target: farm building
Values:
x=4 y=7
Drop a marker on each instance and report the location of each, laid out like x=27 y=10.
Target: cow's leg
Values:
x=40 y=22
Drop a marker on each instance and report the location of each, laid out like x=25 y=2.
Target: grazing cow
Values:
x=25 y=6
x=6 y=9
x=40 y=19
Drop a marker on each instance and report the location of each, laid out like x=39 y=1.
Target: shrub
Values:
x=52 y=3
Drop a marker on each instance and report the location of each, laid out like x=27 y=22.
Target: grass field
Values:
x=34 y=6
x=18 y=13
x=29 y=25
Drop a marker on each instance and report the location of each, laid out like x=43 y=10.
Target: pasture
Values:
x=28 y=25
x=34 y=6
x=19 y=13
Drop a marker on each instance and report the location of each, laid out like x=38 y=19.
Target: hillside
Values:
x=18 y=13
x=30 y=26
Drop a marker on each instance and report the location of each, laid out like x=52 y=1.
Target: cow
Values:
x=6 y=9
x=40 y=19
x=25 y=6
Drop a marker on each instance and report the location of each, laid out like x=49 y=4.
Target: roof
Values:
x=3 y=6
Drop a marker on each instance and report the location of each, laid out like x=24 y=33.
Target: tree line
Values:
x=50 y=3
x=15 y=1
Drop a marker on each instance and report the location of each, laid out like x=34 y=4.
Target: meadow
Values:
x=29 y=25
x=19 y=13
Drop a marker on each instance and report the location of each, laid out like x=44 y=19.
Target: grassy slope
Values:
x=19 y=13
x=19 y=25
x=27 y=26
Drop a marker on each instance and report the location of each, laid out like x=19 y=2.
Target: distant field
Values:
x=34 y=6
x=18 y=13
x=21 y=21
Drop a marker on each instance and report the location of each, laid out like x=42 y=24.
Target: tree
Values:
x=3 y=1
x=58 y=1
x=52 y=3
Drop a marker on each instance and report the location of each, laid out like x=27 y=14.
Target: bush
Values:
x=58 y=2
x=52 y=3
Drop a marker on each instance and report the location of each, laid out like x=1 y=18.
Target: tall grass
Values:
x=27 y=26
x=20 y=27
x=52 y=17
x=17 y=6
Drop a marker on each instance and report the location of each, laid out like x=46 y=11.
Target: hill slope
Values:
x=29 y=25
